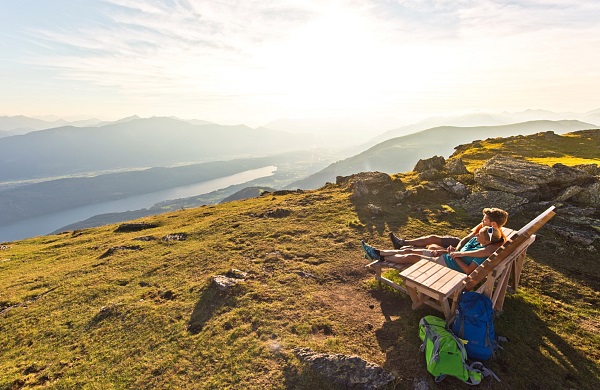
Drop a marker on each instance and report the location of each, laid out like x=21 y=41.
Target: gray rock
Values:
x=365 y=183
x=477 y=201
x=592 y=169
x=455 y=187
x=568 y=193
x=224 y=283
x=430 y=174
x=566 y=176
x=517 y=170
x=589 y=196
x=236 y=274
x=349 y=372
x=455 y=166
x=435 y=162
x=401 y=195
x=486 y=180
x=574 y=235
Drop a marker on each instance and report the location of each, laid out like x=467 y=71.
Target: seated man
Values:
x=470 y=256
x=491 y=217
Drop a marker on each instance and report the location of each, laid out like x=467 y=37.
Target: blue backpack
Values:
x=474 y=323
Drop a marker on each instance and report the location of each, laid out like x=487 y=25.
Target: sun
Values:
x=329 y=63
x=342 y=62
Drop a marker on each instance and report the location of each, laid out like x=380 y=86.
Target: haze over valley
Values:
x=110 y=100
x=112 y=168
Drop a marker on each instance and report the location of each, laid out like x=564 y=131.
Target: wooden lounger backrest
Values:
x=515 y=241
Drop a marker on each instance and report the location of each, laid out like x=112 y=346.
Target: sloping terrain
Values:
x=136 y=307
x=402 y=153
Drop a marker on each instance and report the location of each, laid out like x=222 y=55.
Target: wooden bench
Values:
x=439 y=287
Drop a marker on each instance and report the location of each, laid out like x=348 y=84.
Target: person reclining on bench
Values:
x=465 y=260
x=494 y=217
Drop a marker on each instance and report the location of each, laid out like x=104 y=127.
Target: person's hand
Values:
x=450 y=249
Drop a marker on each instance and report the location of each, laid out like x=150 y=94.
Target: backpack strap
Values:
x=489 y=343
x=479 y=367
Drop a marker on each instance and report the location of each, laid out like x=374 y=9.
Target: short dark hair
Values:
x=496 y=215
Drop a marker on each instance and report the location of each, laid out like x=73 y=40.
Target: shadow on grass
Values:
x=211 y=301
x=536 y=356
x=301 y=378
x=398 y=337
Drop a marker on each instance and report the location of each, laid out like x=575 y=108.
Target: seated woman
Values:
x=469 y=257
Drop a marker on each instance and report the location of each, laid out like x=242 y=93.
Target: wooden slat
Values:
x=502 y=253
x=453 y=284
x=450 y=279
x=417 y=269
x=434 y=275
x=425 y=272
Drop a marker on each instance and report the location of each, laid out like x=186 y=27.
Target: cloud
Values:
x=318 y=55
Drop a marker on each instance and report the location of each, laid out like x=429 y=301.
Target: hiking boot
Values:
x=397 y=242
x=370 y=251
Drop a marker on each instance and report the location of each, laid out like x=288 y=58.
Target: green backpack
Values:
x=446 y=355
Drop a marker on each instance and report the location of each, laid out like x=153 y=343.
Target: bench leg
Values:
x=416 y=297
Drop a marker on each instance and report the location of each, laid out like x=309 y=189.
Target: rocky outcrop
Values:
x=347 y=372
x=437 y=167
x=455 y=166
x=477 y=201
x=513 y=175
x=589 y=195
x=434 y=163
x=510 y=183
x=366 y=183
x=565 y=176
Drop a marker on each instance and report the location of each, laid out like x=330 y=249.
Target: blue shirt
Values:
x=470 y=246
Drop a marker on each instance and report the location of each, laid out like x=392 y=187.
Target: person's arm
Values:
x=465 y=240
x=483 y=252
x=466 y=268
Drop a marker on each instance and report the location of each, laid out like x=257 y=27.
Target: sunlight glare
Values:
x=340 y=61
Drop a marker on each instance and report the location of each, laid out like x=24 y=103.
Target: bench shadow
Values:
x=540 y=351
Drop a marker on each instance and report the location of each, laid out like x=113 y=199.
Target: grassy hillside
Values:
x=581 y=147
x=102 y=309
x=402 y=153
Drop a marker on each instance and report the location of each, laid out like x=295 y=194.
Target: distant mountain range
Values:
x=488 y=119
x=135 y=143
x=19 y=124
x=55 y=169
x=16 y=125
x=402 y=153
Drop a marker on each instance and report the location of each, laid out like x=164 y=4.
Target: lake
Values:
x=48 y=223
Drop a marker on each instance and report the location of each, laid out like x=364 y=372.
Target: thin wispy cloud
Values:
x=252 y=61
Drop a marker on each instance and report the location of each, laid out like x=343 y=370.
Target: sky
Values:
x=373 y=63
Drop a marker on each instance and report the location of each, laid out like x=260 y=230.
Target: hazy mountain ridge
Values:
x=402 y=153
x=488 y=119
x=15 y=125
x=136 y=143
